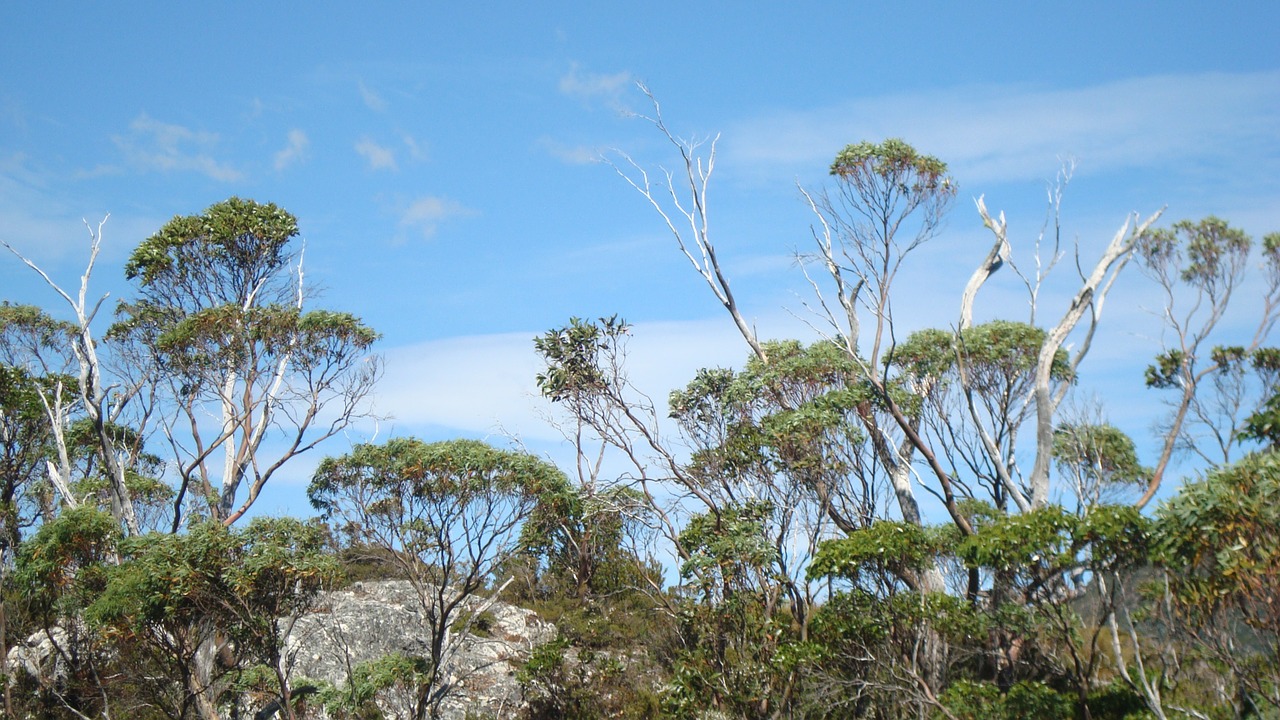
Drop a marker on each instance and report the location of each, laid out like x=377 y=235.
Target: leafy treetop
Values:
x=893 y=160
x=223 y=255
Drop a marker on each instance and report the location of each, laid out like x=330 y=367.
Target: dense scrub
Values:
x=880 y=523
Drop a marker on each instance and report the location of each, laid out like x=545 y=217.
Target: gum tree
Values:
x=220 y=330
x=232 y=592
x=1199 y=267
x=92 y=392
x=451 y=514
x=947 y=410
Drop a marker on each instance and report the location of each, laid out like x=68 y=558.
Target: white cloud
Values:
x=371 y=98
x=998 y=133
x=571 y=154
x=426 y=213
x=294 y=150
x=54 y=233
x=417 y=151
x=592 y=86
x=485 y=384
x=155 y=145
x=378 y=156
x=12 y=112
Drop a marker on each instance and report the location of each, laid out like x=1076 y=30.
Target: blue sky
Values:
x=442 y=159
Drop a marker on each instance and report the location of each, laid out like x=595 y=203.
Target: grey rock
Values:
x=38 y=654
x=371 y=620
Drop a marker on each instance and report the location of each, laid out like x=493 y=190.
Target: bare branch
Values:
x=1091 y=295
x=696 y=172
x=93 y=393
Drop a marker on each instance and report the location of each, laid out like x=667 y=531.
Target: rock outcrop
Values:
x=371 y=620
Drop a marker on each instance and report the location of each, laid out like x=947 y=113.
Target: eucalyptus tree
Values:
x=220 y=329
x=975 y=388
x=1217 y=538
x=57 y=574
x=1199 y=269
x=25 y=446
x=767 y=462
x=73 y=349
x=237 y=591
x=451 y=514
x=943 y=410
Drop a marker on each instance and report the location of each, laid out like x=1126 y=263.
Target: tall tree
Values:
x=942 y=411
x=1198 y=268
x=100 y=400
x=219 y=329
x=451 y=515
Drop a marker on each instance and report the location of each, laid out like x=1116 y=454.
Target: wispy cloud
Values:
x=607 y=88
x=155 y=145
x=52 y=229
x=11 y=112
x=426 y=213
x=485 y=384
x=417 y=150
x=378 y=156
x=997 y=133
x=295 y=149
x=571 y=154
x=371 y=98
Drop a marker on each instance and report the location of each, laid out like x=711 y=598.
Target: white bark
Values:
x=93 y=393
x=690 y=212
x=1089 y=298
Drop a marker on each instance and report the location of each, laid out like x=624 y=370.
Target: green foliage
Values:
x=362 y=562
x=886 y=548
x=1208 y=248
x=725 y=546
x=573 y=544
x=453 y=472
x=573 y=354
x=993 y=354
x=971 y=700
x=864 y=620
x=236 y=237
x=792 y=415
x=64 y=567
x=28 y=332
x=171 y=594
x=1218 y=538
x=1167 y=370
x=792 y=425
x=375 y=680
x=1051 y=540
x=730 y=629
x=984 y=701
x=558 y=682
x=1022 y=541
x=211 y=339
x=896 y=162
x=25 y=445
x=1102 y=453
x=1263 y=425
x=169 y=581
x=730 y=659
x=580 y=686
